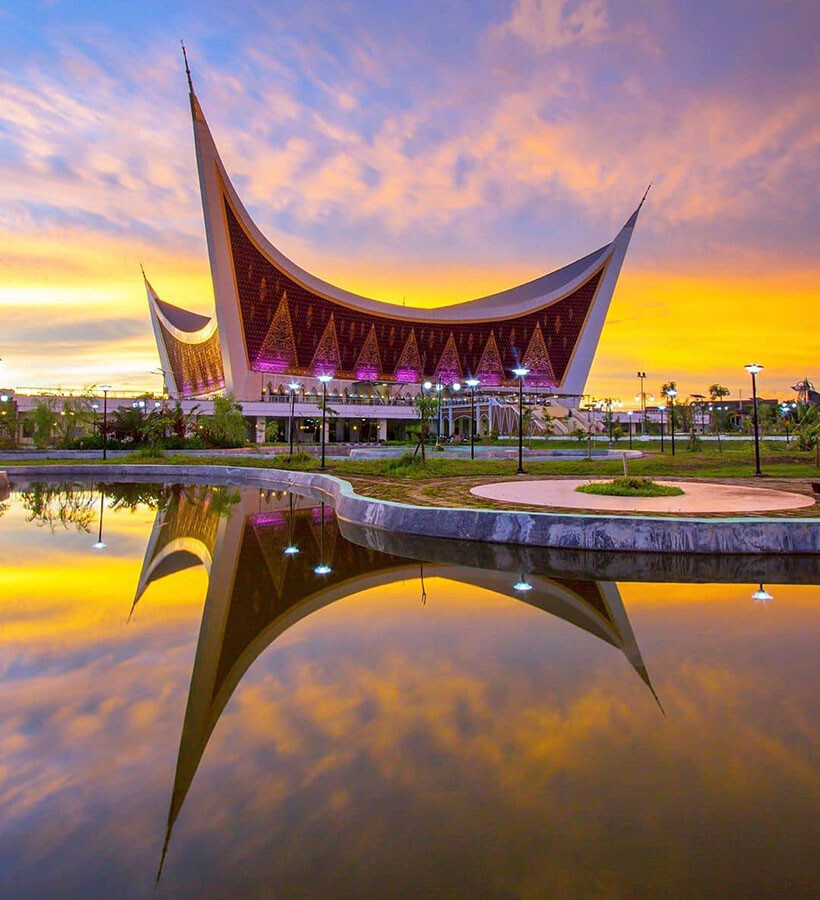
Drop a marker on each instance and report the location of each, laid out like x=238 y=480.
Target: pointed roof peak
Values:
x=630 y=223
x=187 y=69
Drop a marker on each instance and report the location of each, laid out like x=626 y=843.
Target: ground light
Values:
x=762 y=595
x=293 y=387
x=753 y=369
x=472 y=384
x=522 y=585
x=324 y=379
x=520 y=373
x=105 y=388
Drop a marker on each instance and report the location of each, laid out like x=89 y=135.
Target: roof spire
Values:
x=644 y=195
x=187 y=70
x=630 y=222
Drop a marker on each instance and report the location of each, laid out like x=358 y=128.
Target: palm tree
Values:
x=716 y=393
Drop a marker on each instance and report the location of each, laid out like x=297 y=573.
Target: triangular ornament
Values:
x=369 y=364
x=449 y=365
x=327 y=359
x=278 y=351
x=408 y=368
x=490 y=369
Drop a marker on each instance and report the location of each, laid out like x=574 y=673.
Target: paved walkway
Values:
x=698 y=497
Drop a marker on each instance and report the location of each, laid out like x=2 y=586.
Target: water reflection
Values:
x=375 y=723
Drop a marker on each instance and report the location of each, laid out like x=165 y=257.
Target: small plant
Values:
x=151 y=452
x=630 y=487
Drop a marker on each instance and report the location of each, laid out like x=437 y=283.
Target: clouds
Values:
x=394 y=150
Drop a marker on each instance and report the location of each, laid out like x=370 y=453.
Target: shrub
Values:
x=630 y=487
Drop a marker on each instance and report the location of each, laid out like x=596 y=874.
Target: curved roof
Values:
x=517 y=300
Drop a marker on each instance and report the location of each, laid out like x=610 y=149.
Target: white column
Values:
x=260 y=429
x=382 y=429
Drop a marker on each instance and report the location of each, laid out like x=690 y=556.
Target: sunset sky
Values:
x=428 y=151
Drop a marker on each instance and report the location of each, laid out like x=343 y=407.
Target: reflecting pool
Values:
x=217 y=692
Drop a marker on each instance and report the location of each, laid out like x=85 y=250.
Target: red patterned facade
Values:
x=289 y=329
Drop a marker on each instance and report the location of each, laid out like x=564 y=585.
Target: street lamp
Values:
x=291 y=549
x=753 y=369
x=438 y=429
x=641 y=376
x=671 y=393
x=100 y=544
x=324 y=379
x=520 y=373
x=105 y=388
x=661 y=411
x=629 y=413
x=786 y=410
x=762 y=595
x=293 y=387
x=472 y=384
x=323 y=568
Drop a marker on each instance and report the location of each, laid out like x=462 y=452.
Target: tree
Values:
x=807 y=430
x=272 y=434
x=76 y=418
x=8 y=423
x=716 y=393
x=127 y=425
x=428 y=408
x=226 y=426
x=180 y=423
x=43 y=419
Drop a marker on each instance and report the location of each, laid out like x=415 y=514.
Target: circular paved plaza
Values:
x=697 y=497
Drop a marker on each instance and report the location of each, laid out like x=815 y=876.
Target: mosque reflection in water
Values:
x=454 y=716
x=274 y=557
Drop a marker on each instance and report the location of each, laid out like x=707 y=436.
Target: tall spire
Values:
x=634 y=217
x=187 y=70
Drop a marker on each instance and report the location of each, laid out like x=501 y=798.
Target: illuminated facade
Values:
x=188 y=346
x=277 y=322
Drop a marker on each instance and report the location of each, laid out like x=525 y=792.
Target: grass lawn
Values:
x=735 y=461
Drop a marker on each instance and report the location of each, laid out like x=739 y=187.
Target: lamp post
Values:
x=323 y=568
x=786 y=412
x=293 y=387
x=753 y=369
x=100 y=545
x=472 y=384
x=660 y=410
x=438 y=428
x=324 y=379
x=671 y=394
x=291 y=549
x=641 y=376
x=520 y=373
x=761 y=594
x=629 y=414
x=105 y=388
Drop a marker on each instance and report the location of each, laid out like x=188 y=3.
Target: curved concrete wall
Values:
x=644 y=534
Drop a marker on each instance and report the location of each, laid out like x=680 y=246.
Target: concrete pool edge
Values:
x=582 y=531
